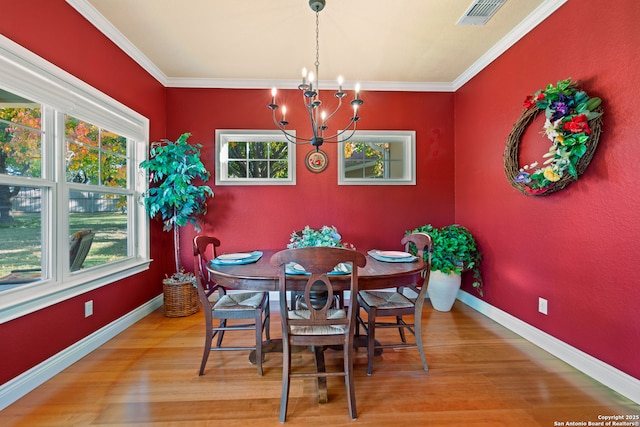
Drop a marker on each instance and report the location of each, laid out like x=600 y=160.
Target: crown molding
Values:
x=293 y=84
x=103 y=25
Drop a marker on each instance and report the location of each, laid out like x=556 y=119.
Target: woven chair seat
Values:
x=242 y=301
x=318 y=330
x=382 y=300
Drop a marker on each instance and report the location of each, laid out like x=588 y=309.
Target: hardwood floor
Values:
x=480 y=374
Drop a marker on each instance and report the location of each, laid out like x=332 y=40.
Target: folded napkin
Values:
x=237 y=258
x=296 y=269
x=392 y=256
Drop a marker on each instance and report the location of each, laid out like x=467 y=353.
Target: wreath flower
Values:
x=568 y=111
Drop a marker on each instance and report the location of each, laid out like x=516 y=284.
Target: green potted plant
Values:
x=176 y=199
x=454 y=251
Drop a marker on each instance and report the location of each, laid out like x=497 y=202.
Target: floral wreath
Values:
x=573 y=124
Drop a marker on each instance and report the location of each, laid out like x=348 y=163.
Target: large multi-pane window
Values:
x=69 y=185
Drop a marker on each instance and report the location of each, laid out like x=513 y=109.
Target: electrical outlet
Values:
x=542 y=305
x=88 y=308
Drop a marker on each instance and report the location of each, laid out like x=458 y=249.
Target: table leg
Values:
x=271 y=346
x=320 y=367
x=275 y=346
x=361 y=341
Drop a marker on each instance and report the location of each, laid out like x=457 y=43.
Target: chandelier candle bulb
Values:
x=284 y=113
x=273 y=95
x=340 y=81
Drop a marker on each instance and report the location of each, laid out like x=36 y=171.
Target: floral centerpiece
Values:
x=325 y=236
x=570 y=116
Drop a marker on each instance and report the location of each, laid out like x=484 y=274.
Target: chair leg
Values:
x=403 y=338
x=258 y=320
x=207 y=350
x=348 y=379
x=286 y=366
x=223 y=324
x=318 y=352
x=267 y=321
x=371 y=339
x=417 y=327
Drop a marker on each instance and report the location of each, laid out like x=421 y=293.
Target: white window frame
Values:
x=408 y=140
x=59 y=92
x=224 y=136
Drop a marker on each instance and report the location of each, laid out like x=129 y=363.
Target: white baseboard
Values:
x=611 y=377
x=16 y=388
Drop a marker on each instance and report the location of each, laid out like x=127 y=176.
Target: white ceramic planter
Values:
x=443 y=289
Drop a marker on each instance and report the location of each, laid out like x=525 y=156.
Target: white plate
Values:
x=394 y=254
x=296 y=267
x=234 y=256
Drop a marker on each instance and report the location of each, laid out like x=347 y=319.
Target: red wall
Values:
x=54 y=31
x=253 y=217
x=578 y=247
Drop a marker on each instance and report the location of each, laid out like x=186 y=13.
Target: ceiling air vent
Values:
x=480 y=12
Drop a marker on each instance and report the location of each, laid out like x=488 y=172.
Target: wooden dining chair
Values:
x=317 y=327
x=227 y=306
x=397 y=304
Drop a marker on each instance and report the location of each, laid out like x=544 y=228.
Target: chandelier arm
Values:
x=326 y=120
x=276 y=122
x=290 y=137
x=346 y=129
x=296 y=139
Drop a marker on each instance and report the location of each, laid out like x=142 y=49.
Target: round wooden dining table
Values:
x=262 y=276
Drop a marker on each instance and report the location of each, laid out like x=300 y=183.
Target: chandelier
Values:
x=310 y=89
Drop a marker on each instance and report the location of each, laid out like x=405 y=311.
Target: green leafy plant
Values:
x=325 y=236
x=174 y=197
x=454 y=250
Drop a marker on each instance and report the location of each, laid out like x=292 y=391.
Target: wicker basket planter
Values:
x=180 y=299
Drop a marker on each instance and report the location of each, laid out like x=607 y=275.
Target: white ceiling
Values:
x=386 y=45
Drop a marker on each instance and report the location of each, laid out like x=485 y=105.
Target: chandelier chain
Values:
x=317 y=64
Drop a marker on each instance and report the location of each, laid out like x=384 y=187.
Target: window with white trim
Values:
x=378 y=158
x=254 y=157
x=70 y=219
